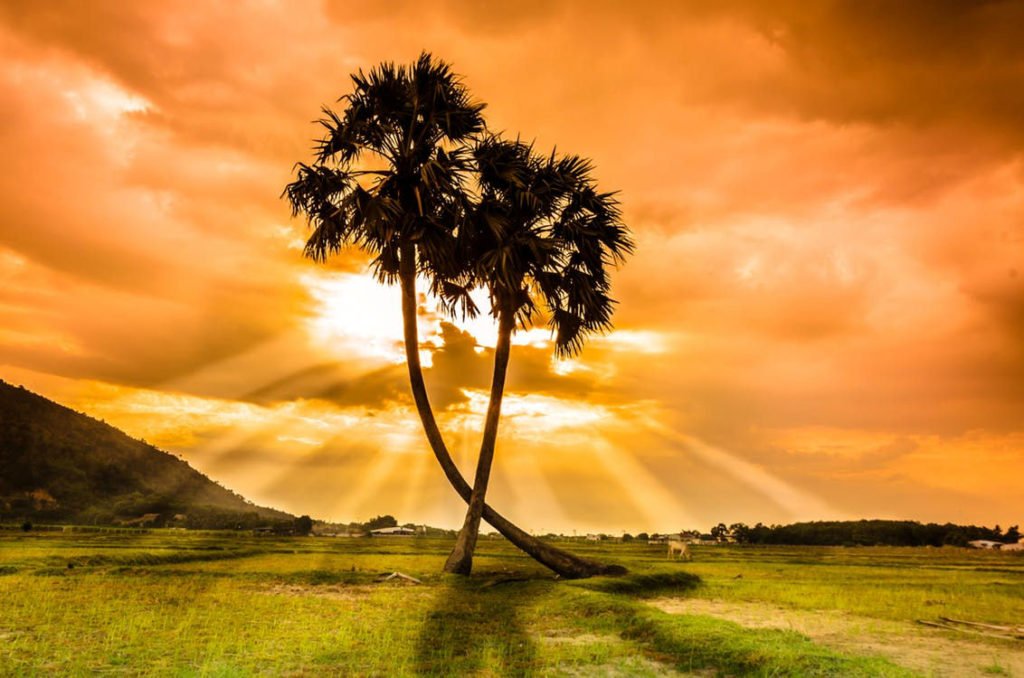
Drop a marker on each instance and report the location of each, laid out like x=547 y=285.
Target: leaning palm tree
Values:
x=542 y=236
x=388 y=177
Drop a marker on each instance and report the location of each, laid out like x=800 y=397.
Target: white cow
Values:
x=678 y=549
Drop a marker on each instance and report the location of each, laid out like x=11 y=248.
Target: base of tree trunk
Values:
x=459 y=561
x=566 y=565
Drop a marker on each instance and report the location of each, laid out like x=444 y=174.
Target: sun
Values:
x=354 y=316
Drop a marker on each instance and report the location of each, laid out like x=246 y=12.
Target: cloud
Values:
x=457 y=364
x=917 y=63
x=828 y=202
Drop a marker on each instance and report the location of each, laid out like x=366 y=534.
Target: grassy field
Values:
x=171 y=603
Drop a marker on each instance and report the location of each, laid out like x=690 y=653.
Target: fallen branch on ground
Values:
x=977 y=628
x=398 y=575
x=995 y=627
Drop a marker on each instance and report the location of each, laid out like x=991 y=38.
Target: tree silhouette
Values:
x=389 y=177
x=542 y=239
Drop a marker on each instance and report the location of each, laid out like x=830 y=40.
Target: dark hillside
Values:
x=58 y=464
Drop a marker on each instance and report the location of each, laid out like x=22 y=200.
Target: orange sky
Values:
x=824 y=317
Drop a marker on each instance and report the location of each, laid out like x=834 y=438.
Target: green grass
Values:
x=886 y=582
x=186 y=604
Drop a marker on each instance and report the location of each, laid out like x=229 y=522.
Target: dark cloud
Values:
x=458 y=363
x=914 y=62
x=334 y=382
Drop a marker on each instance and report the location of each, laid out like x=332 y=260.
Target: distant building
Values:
x=393 y=532
x=985 y=544
x=141 y=521
x=340 y=533
x=1019 y=546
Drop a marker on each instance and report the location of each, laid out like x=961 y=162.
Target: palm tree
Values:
x=388 y=177
x=542 y=234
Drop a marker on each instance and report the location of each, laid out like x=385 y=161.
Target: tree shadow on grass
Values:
x=643 y=585
x=474 y=629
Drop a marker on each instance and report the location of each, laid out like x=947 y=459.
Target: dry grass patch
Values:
x=329 y=591
x=931 y=652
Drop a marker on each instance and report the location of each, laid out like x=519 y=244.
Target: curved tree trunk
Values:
x=461 y=559
x=562 y=562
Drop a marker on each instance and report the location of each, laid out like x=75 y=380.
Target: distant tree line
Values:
x=219 y=519
x=376 y=523
x=828 y=533
x=863 y=533
x=379 y=522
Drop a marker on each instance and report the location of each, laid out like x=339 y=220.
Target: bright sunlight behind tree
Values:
x=408 y=174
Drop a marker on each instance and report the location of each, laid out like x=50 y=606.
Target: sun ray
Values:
x=531 y=490
x=368 y=484
x=414 y=478
x=799 y=503
x=652 y=496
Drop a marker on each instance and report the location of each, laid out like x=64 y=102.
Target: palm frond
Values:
x=417 y=120
x=544 y=233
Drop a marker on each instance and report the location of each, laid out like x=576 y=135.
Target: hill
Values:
x=58 y=464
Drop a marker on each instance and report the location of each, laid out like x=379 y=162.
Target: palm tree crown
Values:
x=390 y=170
x=543 y=233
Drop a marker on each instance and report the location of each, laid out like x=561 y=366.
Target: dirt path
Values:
x=931 y=652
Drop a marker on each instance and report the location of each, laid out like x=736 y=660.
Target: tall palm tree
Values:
x=388 y=177
x=542 y=235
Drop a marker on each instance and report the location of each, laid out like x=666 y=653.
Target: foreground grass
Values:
x=172 y=604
